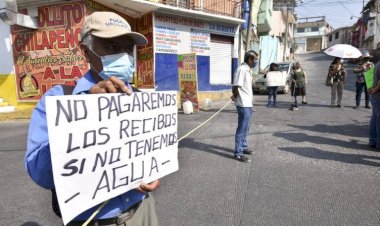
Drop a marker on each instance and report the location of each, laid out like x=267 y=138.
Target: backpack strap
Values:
x=67 y=89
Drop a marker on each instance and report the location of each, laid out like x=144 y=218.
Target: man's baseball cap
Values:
x=110 y=25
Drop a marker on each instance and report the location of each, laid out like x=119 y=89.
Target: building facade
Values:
x=35 y=59
x=341 y=35
x=371 y=25
x=310 y=34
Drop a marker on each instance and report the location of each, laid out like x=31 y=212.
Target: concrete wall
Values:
x=7 y=73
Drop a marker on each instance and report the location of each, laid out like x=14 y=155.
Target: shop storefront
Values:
x=37 y=59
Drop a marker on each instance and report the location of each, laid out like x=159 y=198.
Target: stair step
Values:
x=7 y=109
x=3 y=104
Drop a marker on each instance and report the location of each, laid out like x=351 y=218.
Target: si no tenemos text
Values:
x=104 y=145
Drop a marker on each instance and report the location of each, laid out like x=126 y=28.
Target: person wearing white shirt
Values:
x=243 y=96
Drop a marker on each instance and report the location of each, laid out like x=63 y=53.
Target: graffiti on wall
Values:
x=50 y=55
x=145 y=60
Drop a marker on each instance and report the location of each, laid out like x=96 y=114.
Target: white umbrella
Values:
x=343 y=51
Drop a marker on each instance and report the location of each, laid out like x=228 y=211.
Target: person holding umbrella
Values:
x=338 y=73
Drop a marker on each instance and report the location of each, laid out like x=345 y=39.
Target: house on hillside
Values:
x=341 y=35
x=310 y=34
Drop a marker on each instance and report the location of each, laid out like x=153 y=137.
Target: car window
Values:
x=283 y=67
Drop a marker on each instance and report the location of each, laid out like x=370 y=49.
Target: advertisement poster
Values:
x=50 y=55
x=179 y=35
x=188 y=79
x=145 y=61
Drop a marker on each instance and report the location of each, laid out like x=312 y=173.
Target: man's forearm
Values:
x=235 y=91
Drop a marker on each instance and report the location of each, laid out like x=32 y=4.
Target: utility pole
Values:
x=286 y=32
x=249 y=28
x=361 y=28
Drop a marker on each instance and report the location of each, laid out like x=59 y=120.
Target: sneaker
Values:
x=247 y=152
x=368 y=107
x=294 y=108
x=242 y=158
x=339 y=106
x=356 y=107
x=304 y=102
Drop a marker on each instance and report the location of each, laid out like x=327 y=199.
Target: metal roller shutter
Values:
x=220 y=62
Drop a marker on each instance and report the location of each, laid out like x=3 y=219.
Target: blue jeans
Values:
x=359 y=89
x=374 y=125
x=272 y=92
x=244 y=121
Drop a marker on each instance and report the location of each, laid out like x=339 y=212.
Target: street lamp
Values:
x=352 y=17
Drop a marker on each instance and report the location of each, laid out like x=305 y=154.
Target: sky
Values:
x=338 y=12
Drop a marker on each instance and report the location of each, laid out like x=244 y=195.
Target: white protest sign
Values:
x=105 y=145
x=276 y=78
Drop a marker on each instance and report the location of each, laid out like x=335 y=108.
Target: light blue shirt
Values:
x=38 y=162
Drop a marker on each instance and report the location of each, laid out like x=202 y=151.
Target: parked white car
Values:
x=259 y=83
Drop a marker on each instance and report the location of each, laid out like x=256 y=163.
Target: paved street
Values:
x=309 y=167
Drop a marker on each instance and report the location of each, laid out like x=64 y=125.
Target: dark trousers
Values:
x=272 y=92
x=359 y=89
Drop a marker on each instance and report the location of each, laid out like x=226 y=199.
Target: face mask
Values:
x=341 y=61
x=255 y=63
x=118 y=65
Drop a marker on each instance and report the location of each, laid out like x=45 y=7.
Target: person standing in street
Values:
x=298 y=86
x=338 y=73
x=374 y=125
x=107 y=42
x=243 y=96
x=272 y=90
x=360 y=69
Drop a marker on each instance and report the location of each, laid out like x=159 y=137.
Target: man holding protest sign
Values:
x=107 y=42
x=243 y=96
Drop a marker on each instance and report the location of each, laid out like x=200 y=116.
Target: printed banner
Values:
x=180 y=35
x=188 y=79
x=105 y=145
x=50 y=55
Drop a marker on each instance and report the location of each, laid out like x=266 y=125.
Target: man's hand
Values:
x=372 y=91
x=148 y=187
x=111 y=85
